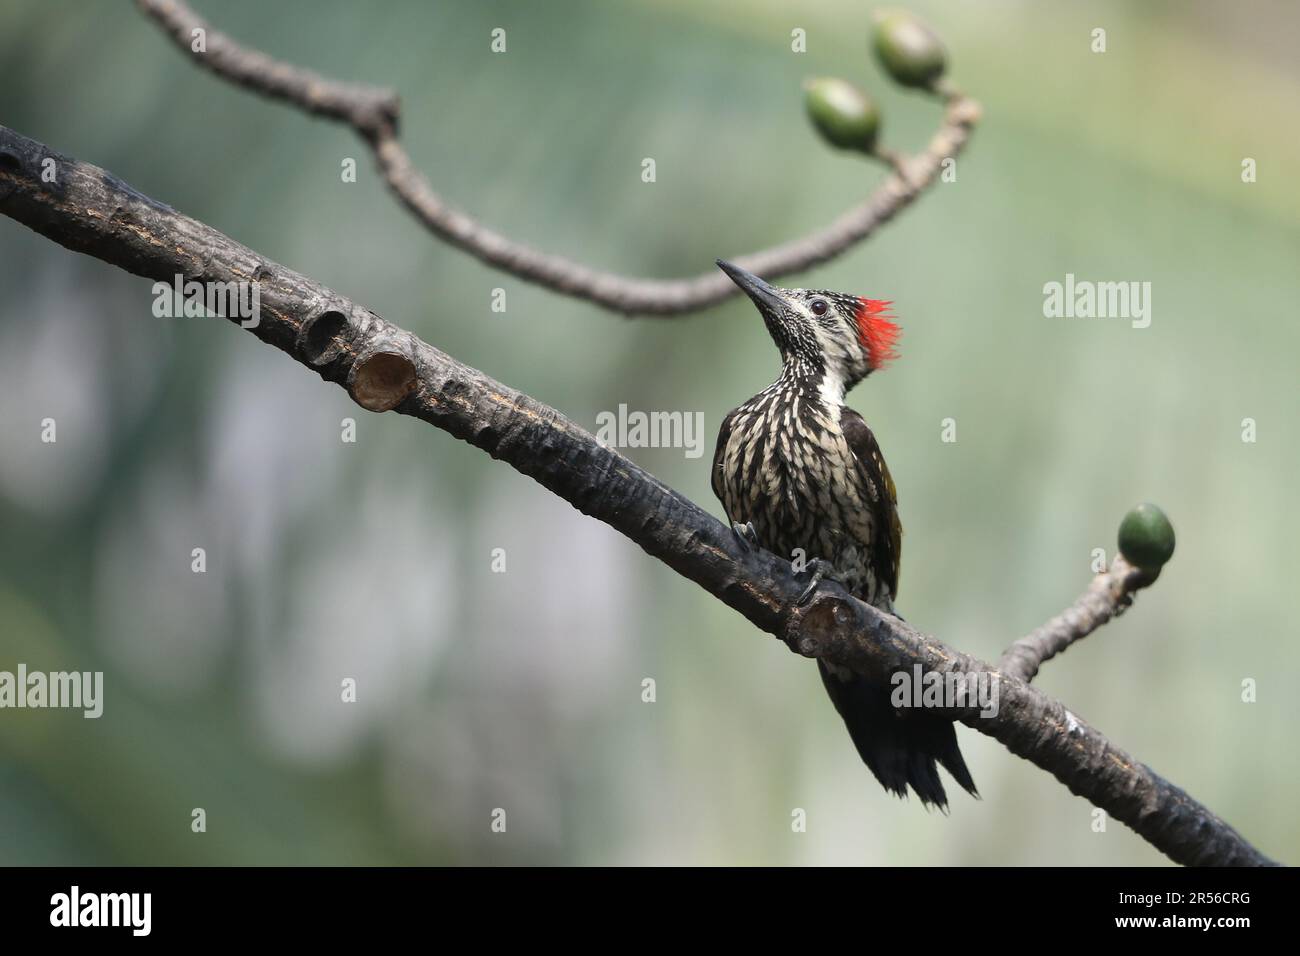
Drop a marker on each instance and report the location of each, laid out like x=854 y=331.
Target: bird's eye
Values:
x=819 y=306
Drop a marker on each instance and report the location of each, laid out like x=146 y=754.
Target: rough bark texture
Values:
x=89 y=210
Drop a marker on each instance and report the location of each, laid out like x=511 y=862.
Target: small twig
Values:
x=373 y=113
x=385 y=367
x=1108 y=596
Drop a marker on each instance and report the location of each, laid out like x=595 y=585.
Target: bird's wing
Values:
x=717 y=477
x=887 y=544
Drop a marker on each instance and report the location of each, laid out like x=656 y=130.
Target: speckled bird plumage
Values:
x=805 y=472
x=787 y=467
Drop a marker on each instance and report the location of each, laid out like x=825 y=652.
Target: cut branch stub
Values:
x=812 y=629
x=381 y=378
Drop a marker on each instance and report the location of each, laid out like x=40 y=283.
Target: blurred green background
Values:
x=522 y=690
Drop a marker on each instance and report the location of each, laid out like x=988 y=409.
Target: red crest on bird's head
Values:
x=877 y=331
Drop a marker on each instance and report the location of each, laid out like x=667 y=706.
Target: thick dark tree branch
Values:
x=1108 y=596
x=373 y=114
x=383 y=367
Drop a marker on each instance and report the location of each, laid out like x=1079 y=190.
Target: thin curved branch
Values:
x=373 y=114
x=367 y=109
x=384 y=367
x=1108 y=596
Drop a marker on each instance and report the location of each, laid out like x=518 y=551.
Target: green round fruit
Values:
x=908 y=49
x=1146 y=538
x=842 y=113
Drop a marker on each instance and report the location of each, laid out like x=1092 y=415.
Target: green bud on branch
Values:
x=1146 y=538
x=908 y=49
x=842 y=113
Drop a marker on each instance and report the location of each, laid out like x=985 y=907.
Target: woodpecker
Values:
x=800 y=473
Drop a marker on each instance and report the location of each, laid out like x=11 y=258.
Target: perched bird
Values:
x=800 y=474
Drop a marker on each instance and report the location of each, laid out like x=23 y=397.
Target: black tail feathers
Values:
x=901 y=749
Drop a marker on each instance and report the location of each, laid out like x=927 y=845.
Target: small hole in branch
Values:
x=322 y=339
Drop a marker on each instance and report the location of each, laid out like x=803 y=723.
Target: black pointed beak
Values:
x=767 y=299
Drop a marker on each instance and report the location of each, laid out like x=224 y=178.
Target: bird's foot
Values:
x=745 y=535
x=819 y=571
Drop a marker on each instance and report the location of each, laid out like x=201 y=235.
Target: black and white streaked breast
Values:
x=787 y=467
